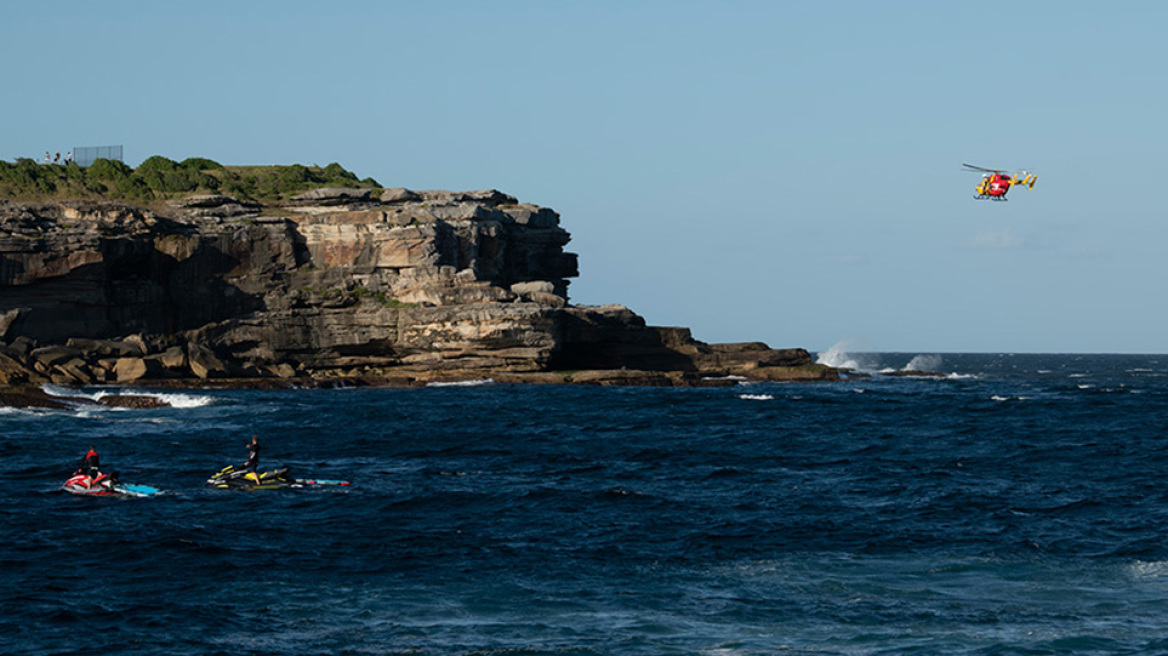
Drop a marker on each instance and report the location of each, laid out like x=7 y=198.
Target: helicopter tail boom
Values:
x=1026 y=179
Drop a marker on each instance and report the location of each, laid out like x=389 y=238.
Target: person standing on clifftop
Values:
x=253 y=457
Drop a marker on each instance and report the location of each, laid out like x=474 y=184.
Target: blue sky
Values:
x=775 y=171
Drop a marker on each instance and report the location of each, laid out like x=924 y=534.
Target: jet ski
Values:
x=235 y=478
x=105 y=485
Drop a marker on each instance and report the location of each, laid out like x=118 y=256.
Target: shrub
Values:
x=132 y=188
x=169 y=177
x=108 y=169
x=157 y=163
x=26 y=176
x=200 y=164
x=238 y=185
x=336 y=173
x=169 y=181
x=159 y=176
x=285 y=179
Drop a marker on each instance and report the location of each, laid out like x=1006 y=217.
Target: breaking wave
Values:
x=1142 y=569
x=463 y=383
x=67 y=393
x=174 y=399
x=923 y=363
x=841 y=356
x=177 y=400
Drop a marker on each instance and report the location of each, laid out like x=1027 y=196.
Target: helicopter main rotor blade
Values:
x=978 y=168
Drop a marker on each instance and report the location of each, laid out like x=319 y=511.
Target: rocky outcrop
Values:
x=35 y=397
x=332 y=283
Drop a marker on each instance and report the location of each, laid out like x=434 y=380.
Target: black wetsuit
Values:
x=253 y=457
x=91 y=465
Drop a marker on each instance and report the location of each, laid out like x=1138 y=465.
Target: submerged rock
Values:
x=133 y=401
x=913 y=373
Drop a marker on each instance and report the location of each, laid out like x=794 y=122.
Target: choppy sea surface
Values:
x=1018 y=504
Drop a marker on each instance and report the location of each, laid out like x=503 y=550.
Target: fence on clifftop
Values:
x=85 y=155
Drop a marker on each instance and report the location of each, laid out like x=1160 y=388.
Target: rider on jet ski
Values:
x=91 y=464
x=91 y=467
x=253 y=457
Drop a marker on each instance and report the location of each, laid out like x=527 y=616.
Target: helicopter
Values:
x=995 y=182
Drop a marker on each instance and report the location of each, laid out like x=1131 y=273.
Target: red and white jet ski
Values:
x=105 y=485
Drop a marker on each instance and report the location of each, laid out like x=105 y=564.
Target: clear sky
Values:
x=787 y=172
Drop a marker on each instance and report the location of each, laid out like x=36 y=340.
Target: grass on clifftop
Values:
x=159 y=178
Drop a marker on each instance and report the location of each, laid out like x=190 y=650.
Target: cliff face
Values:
x=338 y=282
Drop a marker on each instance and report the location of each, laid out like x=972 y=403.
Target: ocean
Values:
x=1013 y=504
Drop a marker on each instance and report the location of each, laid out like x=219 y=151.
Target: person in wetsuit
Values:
x=91 y=464
x=253 y=457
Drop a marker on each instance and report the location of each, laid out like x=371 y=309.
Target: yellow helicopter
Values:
x=995 y=183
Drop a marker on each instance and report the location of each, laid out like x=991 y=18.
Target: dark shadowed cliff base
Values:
x=327 y=287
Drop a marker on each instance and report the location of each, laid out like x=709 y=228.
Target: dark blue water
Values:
x=1018 y=506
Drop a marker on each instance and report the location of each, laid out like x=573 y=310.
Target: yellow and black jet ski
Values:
x=235 y=478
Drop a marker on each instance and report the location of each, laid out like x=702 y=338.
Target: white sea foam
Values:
x=841 y=357
x=84 y=400
x=463 y=383
x=1148 y=569
x=756 y=397
x=67 y=393
x=924 y=363
x=184 y=400
x=174 y=399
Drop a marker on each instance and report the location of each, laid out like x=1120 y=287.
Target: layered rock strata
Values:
x=387 y=284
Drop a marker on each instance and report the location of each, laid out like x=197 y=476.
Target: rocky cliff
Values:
x=374 y=284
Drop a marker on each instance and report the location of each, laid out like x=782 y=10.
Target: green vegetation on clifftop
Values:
x=159 y=178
